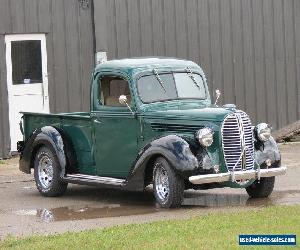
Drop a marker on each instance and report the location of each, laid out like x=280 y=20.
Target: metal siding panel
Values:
x=269 y=56
x=297 y=53
x=216 y=52
x=238 y=53
x=134 y=29
x=280 y=62
x=169 y=28
x=17 y=16
x=4 y=119
x=290 y=83
x=249 y=60
x=5 y=16
x=100 y=24
x=87 y=64
x=122 y=28
x=259 y=65
x=181 y=36
x=111 y=29
x=158 y=28
x=31 y=16
x=44 y=22
x=204 y=41
x=192 y=30
x=72 y=55
x=226 y=38
x=59 y=56
x=146 y=27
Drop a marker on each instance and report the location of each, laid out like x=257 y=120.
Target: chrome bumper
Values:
x=237 y=175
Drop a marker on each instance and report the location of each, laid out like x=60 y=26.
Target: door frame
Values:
x=45 y=93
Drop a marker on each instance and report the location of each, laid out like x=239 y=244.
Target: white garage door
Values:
x=27 y=79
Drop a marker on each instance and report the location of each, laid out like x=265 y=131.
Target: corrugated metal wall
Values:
x=70 y=47
x=249 y=49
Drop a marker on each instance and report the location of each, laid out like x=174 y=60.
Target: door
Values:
x=27 y=80
x=115 y=128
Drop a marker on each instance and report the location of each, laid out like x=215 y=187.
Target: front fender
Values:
x=174 y=148
x=267 y=150
x=48 y=136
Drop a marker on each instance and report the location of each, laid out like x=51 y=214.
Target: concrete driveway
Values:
x=23 y=211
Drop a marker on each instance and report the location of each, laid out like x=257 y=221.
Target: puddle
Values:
x=85 y=213
x=224 y=200
x=192 y=200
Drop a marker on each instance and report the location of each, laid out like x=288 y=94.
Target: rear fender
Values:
x=53 y=138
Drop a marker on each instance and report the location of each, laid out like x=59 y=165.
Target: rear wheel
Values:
x=47 y=173
x=261 y=188
x=167 y=185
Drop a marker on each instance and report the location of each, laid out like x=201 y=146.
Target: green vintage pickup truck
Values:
x=152 y=121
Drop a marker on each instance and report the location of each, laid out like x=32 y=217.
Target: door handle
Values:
x=96 y=118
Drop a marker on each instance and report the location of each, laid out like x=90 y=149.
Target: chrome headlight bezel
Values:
x=263 y=132
x=205 y=136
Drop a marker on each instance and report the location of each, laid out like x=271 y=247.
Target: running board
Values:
x=91 y=179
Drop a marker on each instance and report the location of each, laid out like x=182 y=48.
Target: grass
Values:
x=218 y=230
x=1 y=162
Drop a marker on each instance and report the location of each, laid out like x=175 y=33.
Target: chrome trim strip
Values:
x=94 y=179
x=237 y=175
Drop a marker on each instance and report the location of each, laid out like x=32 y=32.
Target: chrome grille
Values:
x=237 y=139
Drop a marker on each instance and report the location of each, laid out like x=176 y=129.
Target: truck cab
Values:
x=152 y=121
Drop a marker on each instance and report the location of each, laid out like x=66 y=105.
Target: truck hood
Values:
x=215 y=114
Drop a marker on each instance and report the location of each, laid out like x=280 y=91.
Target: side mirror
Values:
x=123 y=101
x=218 y=94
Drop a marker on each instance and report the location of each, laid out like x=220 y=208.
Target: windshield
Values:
x=171 y=86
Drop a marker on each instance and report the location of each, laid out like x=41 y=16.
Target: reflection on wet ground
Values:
x=147 y=205
x=84 y=213
x=222 y=200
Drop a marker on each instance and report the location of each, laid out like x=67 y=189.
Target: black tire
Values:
x=174 y=195
x=47 y=173
x=262 y=188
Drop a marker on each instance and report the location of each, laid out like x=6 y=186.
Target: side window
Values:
x=110 y=90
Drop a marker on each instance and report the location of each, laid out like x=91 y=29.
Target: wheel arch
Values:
x=173 y=148
x=54 y=138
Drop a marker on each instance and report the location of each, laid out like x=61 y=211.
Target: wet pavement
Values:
x=23 y=211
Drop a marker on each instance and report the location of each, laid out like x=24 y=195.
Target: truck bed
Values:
x=77 y=126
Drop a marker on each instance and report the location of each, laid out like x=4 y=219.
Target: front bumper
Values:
x=237 y=175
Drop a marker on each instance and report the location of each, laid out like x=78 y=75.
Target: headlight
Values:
x=205 y=136
x=263 y=131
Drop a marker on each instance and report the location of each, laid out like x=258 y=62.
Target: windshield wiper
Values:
x=159 y=80
x=190 y=73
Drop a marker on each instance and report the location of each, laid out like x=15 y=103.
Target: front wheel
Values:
x=261 y=188
x=168 y=186
x=47 y=173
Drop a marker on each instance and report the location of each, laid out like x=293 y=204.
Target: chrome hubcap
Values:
x=161 y=183
x=45 y=169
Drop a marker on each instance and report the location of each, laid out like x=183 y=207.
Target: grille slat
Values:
x=175 y=128
x=236 y=134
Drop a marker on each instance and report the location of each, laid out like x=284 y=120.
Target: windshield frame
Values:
x=172 y=73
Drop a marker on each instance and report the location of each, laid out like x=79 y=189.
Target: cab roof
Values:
x=131 y=65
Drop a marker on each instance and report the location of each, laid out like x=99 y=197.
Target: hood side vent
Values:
x=175 y=128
